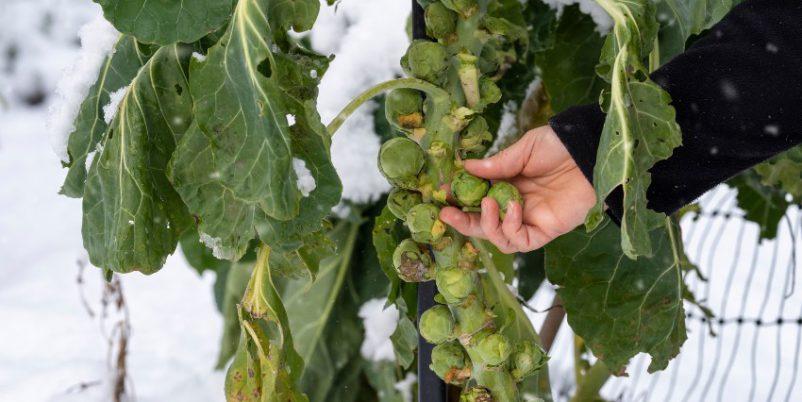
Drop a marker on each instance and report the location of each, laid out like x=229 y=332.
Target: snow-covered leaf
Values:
x=117 y=71
x=234 y=167
x=132 y=215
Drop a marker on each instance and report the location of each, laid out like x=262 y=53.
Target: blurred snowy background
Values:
x=58 y=319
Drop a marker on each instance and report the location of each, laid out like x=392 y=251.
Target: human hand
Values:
x=557 y=196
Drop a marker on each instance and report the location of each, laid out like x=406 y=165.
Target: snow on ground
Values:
x=48 y=342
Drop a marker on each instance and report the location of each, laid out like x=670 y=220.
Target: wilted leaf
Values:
x=255 y=102
x=762 y=204
x=117 y=71
x=132 y=215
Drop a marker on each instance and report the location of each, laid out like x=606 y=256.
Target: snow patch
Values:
x=404 y=387
x=603 y=21
x=379 y=324
x=347 y=30
x=216 y=245
x=199 y=57
x=772 y=129
x=306 y=182
x=290 y=119
x=110 y=109
x=97 y=41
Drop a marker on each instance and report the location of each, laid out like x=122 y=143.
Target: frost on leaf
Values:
x=110 y=109
x=216 y=245
x=305 y=182
x=98 y=38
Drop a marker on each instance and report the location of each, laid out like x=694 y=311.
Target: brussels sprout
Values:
x=449 y=363
x=468 y=189
x=413 y=262
x=465 y=8
x=400 y=161
x=440 y=21
x=424 y=223
x=400 y=201
x=446 y=252
x=494 y=349
x=454 y=284
x=475 y=139
x=476 y=394
x=404 y=109
x=427 y=60
x=503 y=193
x=490 y=93
x=489 y=60
x=471 y=316
x=527 y=359
x=437 y=324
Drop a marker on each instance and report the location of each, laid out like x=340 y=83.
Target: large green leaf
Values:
x=255 y=102
x=568 y=67
x=132 y=215
x=680 y=19
x=640 y=128
x=166 y=21
x=117 y=71
x=620 y=306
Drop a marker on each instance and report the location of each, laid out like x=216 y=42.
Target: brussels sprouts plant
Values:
x=218 y=144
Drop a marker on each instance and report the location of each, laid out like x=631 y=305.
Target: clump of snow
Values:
x=772 y=129
x=404 y=387
x=772 y=48
x=110 y=109
x=306 y=182
x=199 y=57
x=290 y=119
x=216 y=245
x=97 y=41
x=379 y=324
x=347 y=31
x=590 y=7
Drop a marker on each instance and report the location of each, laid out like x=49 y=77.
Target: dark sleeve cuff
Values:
x=579 y=128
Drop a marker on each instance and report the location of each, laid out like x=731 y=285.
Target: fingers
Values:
x=509 y=236
x=465 y=223
x=522 y=237
x=508 y=163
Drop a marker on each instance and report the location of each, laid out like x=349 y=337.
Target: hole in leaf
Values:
x=111 y=133
x=265 y=68
x=178 y=89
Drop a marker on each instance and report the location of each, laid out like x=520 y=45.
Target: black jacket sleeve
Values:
x=738 y=96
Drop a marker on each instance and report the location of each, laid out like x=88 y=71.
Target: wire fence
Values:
x=750 y=350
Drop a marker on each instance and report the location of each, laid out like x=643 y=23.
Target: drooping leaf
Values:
x=272 y=367
x=762 y=204
x=405 y=336
x=132 y=215
x=235 y=284
x=640 y=128
x=166 y=21
x=255 y=102
x=620 y=306
x=117 y=71
x=569 y=65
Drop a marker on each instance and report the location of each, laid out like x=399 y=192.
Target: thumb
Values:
x=510 y=162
